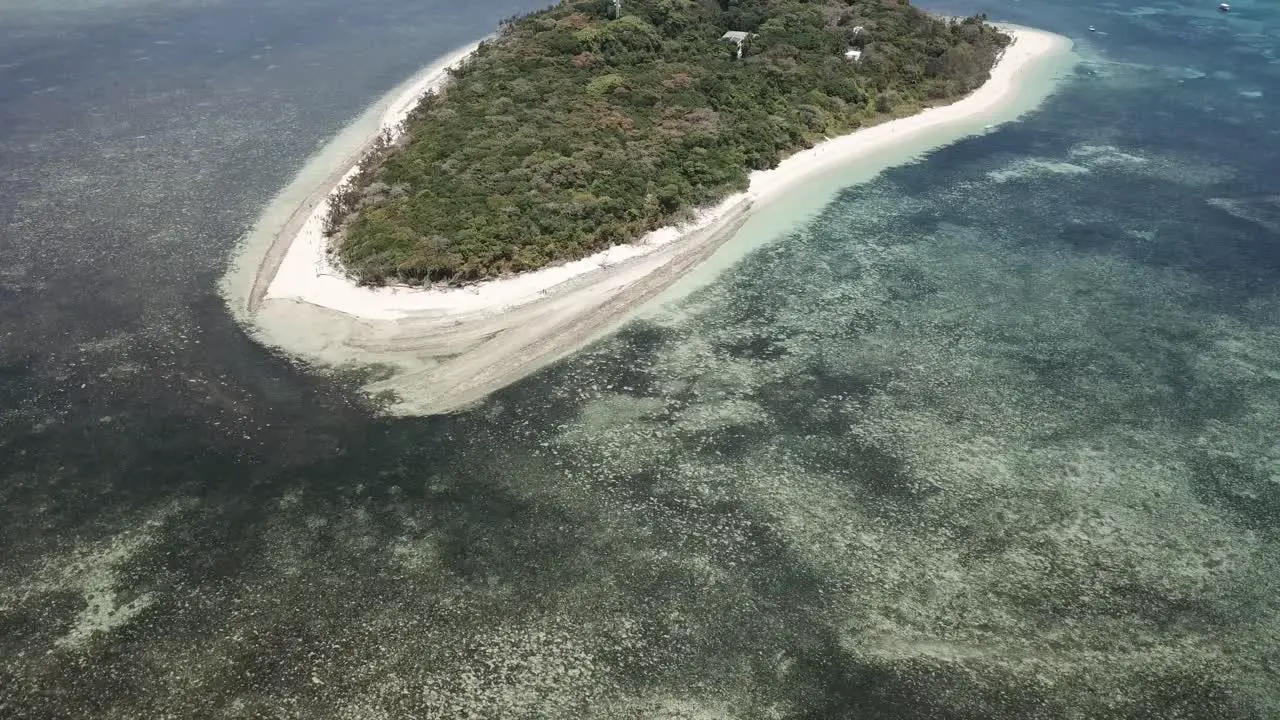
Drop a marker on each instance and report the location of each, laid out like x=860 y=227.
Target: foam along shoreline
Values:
x=449 y=347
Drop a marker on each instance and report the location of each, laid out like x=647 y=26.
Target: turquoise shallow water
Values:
x=991 y=436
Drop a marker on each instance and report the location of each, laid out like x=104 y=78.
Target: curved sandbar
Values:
x=453 y=346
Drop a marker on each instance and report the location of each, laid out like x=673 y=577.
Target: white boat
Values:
x=1225 y=7
x=1093 y=29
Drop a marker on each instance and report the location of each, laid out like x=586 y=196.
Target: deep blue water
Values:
x=991 y=437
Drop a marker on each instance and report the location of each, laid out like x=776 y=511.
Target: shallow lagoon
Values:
x=991 y=436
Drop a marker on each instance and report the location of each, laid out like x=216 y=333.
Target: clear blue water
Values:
x=992 y=437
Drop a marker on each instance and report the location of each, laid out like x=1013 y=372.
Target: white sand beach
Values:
x=449 y=347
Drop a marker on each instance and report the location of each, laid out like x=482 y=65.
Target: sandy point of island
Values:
x=447 y=347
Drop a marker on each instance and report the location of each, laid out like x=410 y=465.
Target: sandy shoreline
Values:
x=453 y=346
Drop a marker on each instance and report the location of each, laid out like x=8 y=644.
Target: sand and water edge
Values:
x=450 y=347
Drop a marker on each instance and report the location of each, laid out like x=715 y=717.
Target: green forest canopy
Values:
x=574 y=131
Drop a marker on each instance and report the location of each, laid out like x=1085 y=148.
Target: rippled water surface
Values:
x=993 y=436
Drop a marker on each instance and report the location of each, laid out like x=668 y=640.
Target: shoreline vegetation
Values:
x=442 y=348
x=588 y=125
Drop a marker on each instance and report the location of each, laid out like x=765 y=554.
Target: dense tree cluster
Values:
x=574 y=130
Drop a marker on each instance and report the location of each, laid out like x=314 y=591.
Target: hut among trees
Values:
x=738 y=38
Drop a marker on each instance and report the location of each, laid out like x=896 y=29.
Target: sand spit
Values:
x=453 y=346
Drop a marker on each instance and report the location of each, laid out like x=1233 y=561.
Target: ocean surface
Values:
x=993 y=436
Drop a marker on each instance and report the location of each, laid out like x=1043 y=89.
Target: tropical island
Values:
x=526 y=193
x=594 y=122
